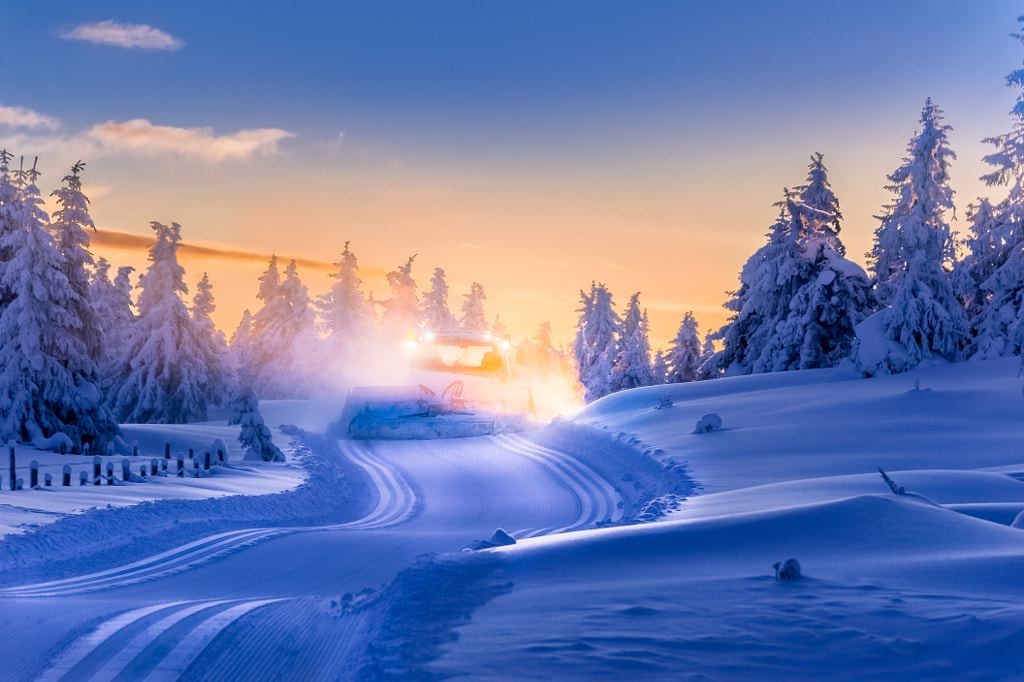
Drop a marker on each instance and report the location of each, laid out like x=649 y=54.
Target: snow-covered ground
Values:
x=356 y=570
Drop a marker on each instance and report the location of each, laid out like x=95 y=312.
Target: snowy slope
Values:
x=357 y=573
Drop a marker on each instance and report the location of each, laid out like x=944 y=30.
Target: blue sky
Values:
x=641 y=144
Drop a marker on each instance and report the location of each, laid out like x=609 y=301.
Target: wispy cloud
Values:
x=18 y=117
x=132 y=36
x=134 y=242
x=142 y=138
x=470 y=246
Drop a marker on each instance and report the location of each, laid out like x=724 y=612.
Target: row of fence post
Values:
x=208 y=460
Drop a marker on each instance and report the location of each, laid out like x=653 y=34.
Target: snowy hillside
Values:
x=358 y=573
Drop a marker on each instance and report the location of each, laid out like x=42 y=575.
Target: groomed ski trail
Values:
x=396 y=504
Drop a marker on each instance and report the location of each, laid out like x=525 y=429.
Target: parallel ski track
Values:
x=152 y=643
x=396 y=503
x=596 y=498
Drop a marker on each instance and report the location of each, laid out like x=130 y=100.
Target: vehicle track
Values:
x=597 y=499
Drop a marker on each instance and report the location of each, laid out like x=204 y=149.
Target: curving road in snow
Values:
x=432 y=496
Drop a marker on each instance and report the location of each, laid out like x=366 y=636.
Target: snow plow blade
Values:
x=407 y=413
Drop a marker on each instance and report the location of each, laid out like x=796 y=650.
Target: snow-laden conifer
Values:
x=68 y=226
x=244 y=357
x=47 y=374
x=210 y=342
x=437 y=316
x=165 y=380
x=685 y=355
x=473 y=316
x=633 y=363
x=659 y=368
x=993 y=287
x=287 y=343
x=402 y=311
x=112 y=302
x=924 y=318
x=799 y=300
x=347 y=316
x=254 y=435
x=596 y=347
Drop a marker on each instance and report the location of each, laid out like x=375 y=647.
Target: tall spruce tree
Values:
x=437 y=317
x=924 y=319
x=799 y=299
x=348 y=317
x=596 y=347
x=633 y=363
x=47 y=373
x=402 y=311
x=993 y=287
x=685 y=355
x=164 y=380
x=473 y=316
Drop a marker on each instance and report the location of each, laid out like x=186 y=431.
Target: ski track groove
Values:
x=598 y=500
x=74 y=655
x=193 y=643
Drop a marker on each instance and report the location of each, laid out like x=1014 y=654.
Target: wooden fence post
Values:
x=167 y=448
x=110 y=473
x=152 y=466
x=96 y=460
x=126 y=470
x=48 y=478
x=206 y=459
x=66 y=480
x=14 y=473
x=181 y=464
x=33 y=474
x=83 y=477
x=135 y=448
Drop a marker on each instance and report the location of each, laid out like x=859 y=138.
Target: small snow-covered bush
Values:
x=708 y=423
x=787 y=570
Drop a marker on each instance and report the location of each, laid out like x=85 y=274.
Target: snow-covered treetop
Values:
x=1008 y=158
x=473 y=316
x=436 y=314
x=917 y=220
x=165 y=276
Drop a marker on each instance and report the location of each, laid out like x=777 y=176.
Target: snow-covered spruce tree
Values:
x=210 y=342
x=596 y=346
x=994 y=264
x=498 y=328
x=284 y=331
x=437 y=316
x=10 y=217
x=347 y=316
x=685 y=355
x=924 y=319
x=659 y=368
x=254 y=434
x=821 y=202
x=402 y=311
x=633 y=363
x=112 y=302
x=242 y=351
x=165 y=378
x=47 y=375
x=473 y=316
x=799 y=299
x=68 y=226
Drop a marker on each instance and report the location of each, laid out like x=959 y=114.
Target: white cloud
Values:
x=18 y=117
x=142 y=138
x=124 y=35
